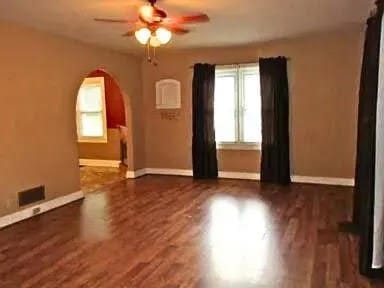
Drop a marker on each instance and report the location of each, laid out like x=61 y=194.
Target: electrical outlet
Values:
x=36 y=210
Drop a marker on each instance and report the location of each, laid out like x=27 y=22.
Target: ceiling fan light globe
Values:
x=163 y=35
x=142 y=35
x=154 y=42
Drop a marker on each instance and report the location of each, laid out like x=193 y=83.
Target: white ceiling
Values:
x=233 y=22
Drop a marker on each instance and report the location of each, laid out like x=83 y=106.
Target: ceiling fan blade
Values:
x=188 y=19
x=176 y=29
x=159 y=13
x=129 y=33
x=122 y=21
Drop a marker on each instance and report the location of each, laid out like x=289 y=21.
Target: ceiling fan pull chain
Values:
x=148 y=53
x=154 y=57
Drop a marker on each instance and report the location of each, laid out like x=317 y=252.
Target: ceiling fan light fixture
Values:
x=153 y=28
x=154 y=42
x=163 y=35
x=142 y=35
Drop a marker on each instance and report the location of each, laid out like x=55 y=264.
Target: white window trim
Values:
x=87 y=139
x=238 y=145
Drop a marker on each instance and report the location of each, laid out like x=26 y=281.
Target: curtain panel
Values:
x=203 y=140
x=275 y=162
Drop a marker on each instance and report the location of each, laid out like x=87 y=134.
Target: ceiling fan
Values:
x=153 y=26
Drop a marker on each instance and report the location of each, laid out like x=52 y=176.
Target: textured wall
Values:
x=40 y=77
x=324 y=71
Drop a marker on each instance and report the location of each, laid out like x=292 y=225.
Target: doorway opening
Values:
x=101 y=131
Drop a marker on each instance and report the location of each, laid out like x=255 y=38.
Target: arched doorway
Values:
x=101 y=131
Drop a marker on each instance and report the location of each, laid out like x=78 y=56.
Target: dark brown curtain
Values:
x=275 y=166
x=363 y=213
x=367 y=113
x=203 y=140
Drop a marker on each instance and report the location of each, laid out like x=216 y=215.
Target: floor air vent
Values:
x=31 y=195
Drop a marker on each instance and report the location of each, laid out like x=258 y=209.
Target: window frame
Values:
x=240 y=71
x=92 y=81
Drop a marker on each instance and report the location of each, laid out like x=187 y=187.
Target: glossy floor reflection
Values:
x=238 y=242
x=166 y=232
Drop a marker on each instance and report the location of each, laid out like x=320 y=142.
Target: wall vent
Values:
x=31 y=195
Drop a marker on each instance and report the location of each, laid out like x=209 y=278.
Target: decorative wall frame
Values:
x=168 y=94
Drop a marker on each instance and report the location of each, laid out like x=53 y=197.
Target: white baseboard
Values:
x=130 y=175
x=239 y=175
x=243 y=176
x=324 y=180
x=135 y=174
x=99 y=163
x=173 y=172
x=44 y=207
x=158 y=171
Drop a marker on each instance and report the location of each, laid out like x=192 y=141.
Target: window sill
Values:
x=239 y=146
x=93 y=140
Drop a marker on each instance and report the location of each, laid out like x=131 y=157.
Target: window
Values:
x=238 y=107
x=90 y=111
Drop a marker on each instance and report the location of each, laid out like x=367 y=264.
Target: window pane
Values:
x=91 y=125
x=90 y=98
x=252 y=108
x=225 y=107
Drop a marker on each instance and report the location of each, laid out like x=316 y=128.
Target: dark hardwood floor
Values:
x=175 y=232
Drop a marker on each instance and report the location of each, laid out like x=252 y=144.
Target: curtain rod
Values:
x=237 y=63
x=378 y=9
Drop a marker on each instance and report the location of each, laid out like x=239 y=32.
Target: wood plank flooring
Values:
x=160 y=231
x=94 y=178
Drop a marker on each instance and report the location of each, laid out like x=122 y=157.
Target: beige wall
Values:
x=324 y=77
x=40 y=77
x=103 y=151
